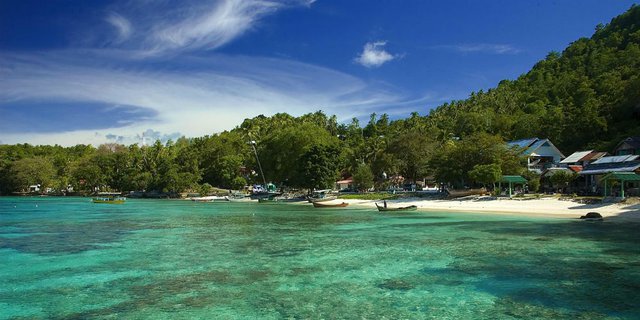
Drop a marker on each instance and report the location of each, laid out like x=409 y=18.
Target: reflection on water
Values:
x=68 y=258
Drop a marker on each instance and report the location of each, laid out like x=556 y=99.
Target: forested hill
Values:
x=586 y=97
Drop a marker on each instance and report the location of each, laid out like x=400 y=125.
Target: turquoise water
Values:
x=66 y=258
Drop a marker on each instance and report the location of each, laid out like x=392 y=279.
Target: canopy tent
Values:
x=512 y=180
x=622 y=177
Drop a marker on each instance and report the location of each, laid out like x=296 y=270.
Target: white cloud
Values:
x=171 y=26
x=484 y=48
x=373 y=55
x=218 y=96
x=122 y=26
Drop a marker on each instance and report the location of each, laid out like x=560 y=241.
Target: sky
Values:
x=92 y=72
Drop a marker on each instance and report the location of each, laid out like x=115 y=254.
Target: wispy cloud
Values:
x=122 y=26
x=170 y=26
x=486 y=48
x=224 y=91
x=373 y=55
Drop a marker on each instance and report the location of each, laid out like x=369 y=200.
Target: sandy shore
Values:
x=534 y=207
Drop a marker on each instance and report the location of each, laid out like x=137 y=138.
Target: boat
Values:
x=276 y=199
x=325 y=198
x=210 y=199
x=465 y=192
x=320 y=195
x=109 y=200
x=407 y=208
x=329 y=205
x=267 y=200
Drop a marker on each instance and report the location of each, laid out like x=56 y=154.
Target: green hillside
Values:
x=588 y=96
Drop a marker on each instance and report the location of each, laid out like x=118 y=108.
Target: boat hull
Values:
x=108 y=200
x=329 y=205
x=390 y=209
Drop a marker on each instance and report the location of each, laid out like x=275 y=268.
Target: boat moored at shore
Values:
x=109 y=200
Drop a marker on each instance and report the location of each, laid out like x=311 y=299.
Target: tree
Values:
x=533 y=180
x=319 y=166
x=561 y=179
x=205 y=189
x=453 y=162
x=32 y=171
x=413 y=150
x=281 y=151
x=87 y=175
x=486 y=174
x=363 y=178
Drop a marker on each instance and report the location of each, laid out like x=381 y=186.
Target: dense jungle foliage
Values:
x=587 y=97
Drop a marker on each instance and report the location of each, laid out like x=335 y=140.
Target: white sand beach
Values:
x=532 y=207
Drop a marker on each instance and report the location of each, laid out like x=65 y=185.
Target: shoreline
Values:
x=533 y=207
x=543 y=207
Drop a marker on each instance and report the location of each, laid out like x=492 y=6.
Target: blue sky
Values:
x=111 y=71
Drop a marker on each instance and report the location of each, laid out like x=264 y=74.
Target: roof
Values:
x=513 y=179
x=634 y=142
x=616 y=159
x=594 y=156
x=522 y=143
x=622 y=176
x=607 y=167
x=576 y=156
x=575 y=168
x=345 y=181
x=531 y=145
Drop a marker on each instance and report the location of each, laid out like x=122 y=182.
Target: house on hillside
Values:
x=582 y=158
x=575 y=163
x=345 y=184
x=628 y=146
x=612 y=164
x=541 y=153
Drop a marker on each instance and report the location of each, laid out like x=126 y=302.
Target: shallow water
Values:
x=68 y=258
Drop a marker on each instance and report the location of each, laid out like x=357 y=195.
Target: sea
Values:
x=68 y=258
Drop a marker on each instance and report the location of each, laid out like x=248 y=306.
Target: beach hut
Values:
x=603 y=166
x=511 y=180
x=622 y=177
x=344 y=184
x=628 y=146
x=541 y=153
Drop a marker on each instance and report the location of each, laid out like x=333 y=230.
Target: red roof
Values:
x=593 y=156
x=575 y=168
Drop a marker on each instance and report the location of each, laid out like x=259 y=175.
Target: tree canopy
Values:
x=586 y=97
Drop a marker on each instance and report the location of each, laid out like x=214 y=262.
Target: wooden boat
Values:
x=407 y=208
x=109 y=200
x=329 y=205
x=465 y=193
x=210 y=199
x=326 y=198
x=321 y=195
x=267 y=200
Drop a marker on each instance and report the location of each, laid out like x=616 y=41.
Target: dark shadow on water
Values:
x=605 y=281
x=67 y=238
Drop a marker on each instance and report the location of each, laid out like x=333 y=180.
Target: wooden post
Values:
x=622 y=189
x=605 y=187
x=509 y=189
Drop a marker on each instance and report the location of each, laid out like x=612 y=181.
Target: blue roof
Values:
x=600 y=168
x=536 y=145
x=522 y=143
